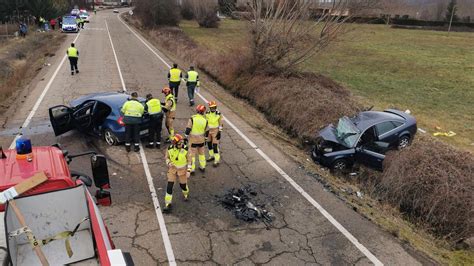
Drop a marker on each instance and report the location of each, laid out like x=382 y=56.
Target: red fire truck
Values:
x=60 y=213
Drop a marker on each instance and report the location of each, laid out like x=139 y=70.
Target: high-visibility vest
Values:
x=133 y=108
x=192 y=76
x=175 y=75
x=154 y=106
x=213 y=119
x=178 y=157
x=72 y=52
x=170 y=97
x=199 y=125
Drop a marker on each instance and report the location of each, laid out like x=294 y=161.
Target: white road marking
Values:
x=115 y=56
x=40 y=99
x=298 y=188
x=154 y=197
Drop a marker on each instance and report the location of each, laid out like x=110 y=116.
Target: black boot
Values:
x=167 y=208
x=136 y=148
x=127 y=148
x=150 y=145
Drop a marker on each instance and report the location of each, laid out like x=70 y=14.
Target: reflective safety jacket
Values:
x=153 y=106
x=133 y=108
x=199 y=125
x=174 y=75
x=170 y=102
x=214 y=119
x=72 y=52
x=193 y=76
x=177 y=157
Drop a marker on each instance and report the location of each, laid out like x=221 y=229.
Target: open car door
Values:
x=64 y=119
x=61 y=119
x=83 y=116
x=372 y=154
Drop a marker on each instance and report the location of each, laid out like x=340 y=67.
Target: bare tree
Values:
x=205 y=12
x=285 y=33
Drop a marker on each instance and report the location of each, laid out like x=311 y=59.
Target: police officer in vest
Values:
x=195 y=131
x=153 y=108
x=213 y=134
x=174 y=78
x=133 y=112
x=192 y=81
x=73 y=55
x=179 y=167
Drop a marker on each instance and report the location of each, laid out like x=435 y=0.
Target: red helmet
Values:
x=201 y=109
x=166 y=90
x=212 y=104
x=177 y=139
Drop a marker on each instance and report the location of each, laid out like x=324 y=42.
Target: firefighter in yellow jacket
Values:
x=170 y=111
x=195 y=131
x=179 y=167
x=214 y=124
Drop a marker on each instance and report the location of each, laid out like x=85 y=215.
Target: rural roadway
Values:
x=311 y=226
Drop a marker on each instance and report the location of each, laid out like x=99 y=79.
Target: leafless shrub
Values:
x=433 y=184
x=187 y=10
x=157 y=12
x=285 y=35
x=5 y=70
x=205 y=12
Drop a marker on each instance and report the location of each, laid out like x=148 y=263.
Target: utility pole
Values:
x=452 y=16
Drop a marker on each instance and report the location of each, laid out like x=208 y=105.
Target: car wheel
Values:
x=340 y=165
x=403 y=142
x=110 y=138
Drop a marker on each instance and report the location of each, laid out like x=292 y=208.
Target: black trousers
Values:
x=73 y=62
x=191 y=87
x=132 y=133
x=174 y=86
x=154 y=129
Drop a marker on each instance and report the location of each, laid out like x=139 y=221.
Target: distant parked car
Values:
x=116 y=11
x=84 y=16
x=96 y=114
x=364 y=138
x=69 y=24
x=75 y=12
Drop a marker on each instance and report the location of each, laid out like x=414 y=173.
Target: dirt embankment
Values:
x=21 y=59
x=431 y=183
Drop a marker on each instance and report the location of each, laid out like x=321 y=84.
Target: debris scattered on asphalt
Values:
x=359 y=194
x=238 y=201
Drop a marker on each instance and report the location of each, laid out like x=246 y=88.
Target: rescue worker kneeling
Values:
x=195 y=131
x=215 y=125
x=179 y=167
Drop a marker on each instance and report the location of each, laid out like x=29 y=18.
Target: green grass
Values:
x=428 y=72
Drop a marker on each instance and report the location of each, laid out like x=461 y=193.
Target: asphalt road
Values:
x=312 y=226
